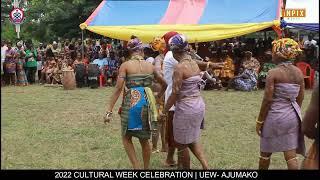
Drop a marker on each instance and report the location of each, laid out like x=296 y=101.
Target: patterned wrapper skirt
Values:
x=21 y=78
x=138 y=110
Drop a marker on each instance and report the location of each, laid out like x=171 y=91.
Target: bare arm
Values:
x=311 y=118
x=267 y=99
x=177 y=82
x=301 y=92
x=204 y=65
x=161 y=80
x=118 y=88
x=209 y=77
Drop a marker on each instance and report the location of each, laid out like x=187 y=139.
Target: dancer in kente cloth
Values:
x=279 y=121
x=138 y=109
x=189 y=105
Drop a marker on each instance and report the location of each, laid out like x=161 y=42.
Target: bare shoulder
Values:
x=179 y=67
x=124 y=65
x=273 y=71
x=148 y=66
x=298 y=73
x=297 y=70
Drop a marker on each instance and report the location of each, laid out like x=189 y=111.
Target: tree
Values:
x=48 y=19
x=61 y=18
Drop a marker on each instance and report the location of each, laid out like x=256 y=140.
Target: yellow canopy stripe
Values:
x=195 y=33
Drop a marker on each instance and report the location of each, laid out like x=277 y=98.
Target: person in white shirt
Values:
x=150 y=60
x=4 y=48
x=311 y=50
x=55 y=48
x=101 y=61
x=310 y=42
x=148 y=55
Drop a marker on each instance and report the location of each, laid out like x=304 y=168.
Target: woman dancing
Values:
x=189 y=105
x=279 y=121
x=138 y=109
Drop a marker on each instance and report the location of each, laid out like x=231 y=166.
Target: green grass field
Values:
x=50 y=128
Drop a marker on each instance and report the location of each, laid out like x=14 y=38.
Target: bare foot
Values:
x=169 y=163
x=155 y=151
x=164 y=149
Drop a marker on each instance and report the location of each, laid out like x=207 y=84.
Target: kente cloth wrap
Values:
x=138 y=110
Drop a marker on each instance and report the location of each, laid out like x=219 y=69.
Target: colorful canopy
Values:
x=311 y=21
x=199 y=20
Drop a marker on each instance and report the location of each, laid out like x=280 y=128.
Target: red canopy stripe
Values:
x=184 y=12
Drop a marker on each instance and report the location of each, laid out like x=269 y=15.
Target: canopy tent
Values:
x=311 y=21
x=199 y=20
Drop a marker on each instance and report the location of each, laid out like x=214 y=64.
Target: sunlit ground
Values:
x=50 y=128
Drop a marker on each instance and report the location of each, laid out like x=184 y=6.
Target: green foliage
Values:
x=8 y=31
x=46 y=20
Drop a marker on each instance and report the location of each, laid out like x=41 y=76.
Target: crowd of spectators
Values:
x=247 y=61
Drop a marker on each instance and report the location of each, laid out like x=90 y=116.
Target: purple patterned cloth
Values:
x=189 y=112
x=134 y=45
x=10 y=62
x=282 y=127
x=178 y=42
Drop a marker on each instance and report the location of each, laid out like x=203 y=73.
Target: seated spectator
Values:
x=56 y=74
x=49 y=72
x=78 y=59
x=266 y=67
x=70 y=65
x=80 y=70
x=246 y=81
x=112 y=69
x=227 y=72
x=45 y=67
x=55 y=49
x=86 y=59
x=211 y=81
x=101 y=61
x=250 y=63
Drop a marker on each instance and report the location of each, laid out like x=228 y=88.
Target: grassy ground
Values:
x=46 y=127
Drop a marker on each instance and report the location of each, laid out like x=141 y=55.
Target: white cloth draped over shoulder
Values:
x=169 y=64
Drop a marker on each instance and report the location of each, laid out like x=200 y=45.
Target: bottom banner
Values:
x=159 y=174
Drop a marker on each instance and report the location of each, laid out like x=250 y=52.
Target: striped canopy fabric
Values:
x=199 y=20
x=311 y=21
